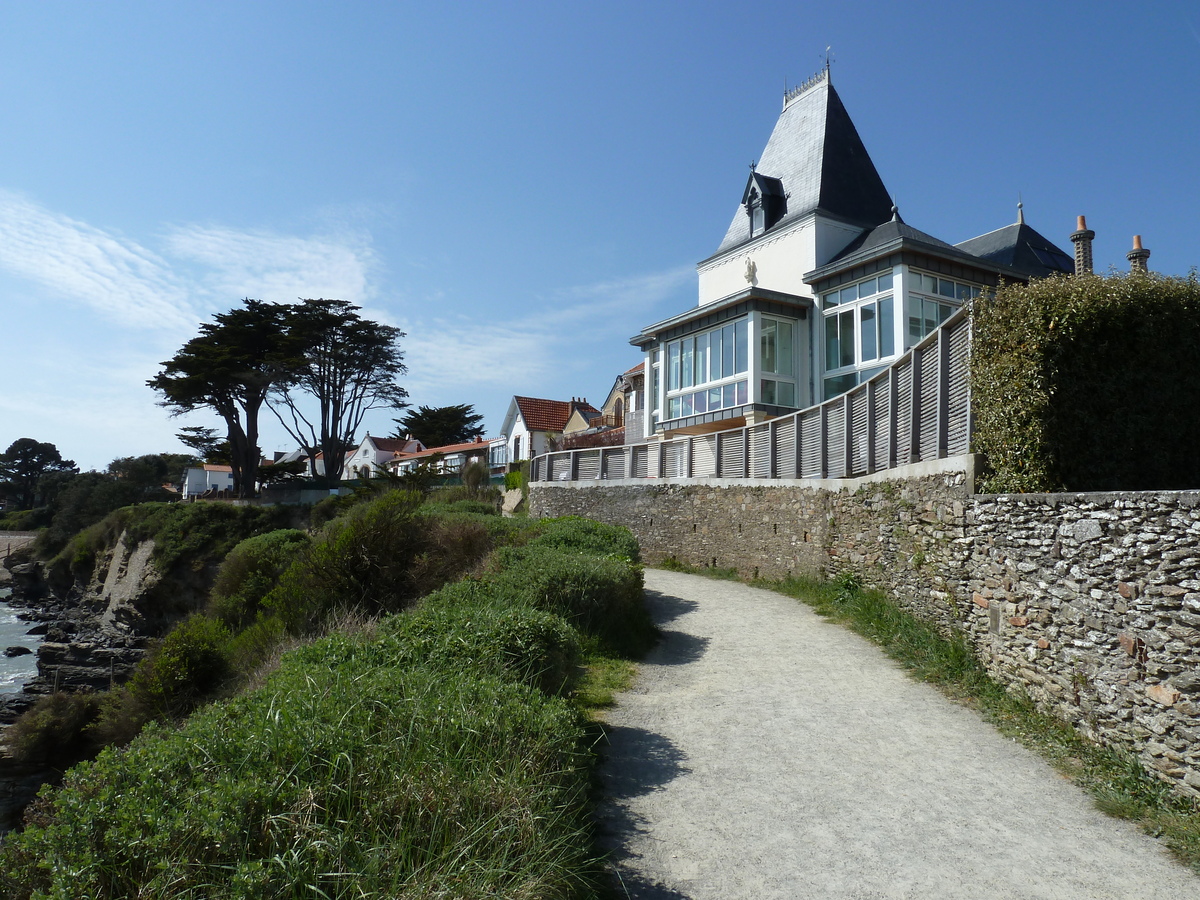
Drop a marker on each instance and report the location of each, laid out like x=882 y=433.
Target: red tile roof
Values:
x=636 y=369
x=551 y=415
x=392 y=445
x=482 y=446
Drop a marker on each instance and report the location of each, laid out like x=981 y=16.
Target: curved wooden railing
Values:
x=917 y=409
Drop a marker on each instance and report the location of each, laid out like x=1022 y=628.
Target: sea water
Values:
x=16 y=670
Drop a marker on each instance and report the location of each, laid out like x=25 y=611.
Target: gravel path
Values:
x=765 y=753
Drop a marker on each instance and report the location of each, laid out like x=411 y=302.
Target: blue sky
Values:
x=520 y=186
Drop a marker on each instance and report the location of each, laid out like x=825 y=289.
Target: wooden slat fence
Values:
x=917 y=409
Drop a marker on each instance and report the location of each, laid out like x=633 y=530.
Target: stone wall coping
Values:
x=1185 y=498
x=965 y=464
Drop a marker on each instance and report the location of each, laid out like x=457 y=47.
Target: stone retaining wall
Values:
x=1089 y=602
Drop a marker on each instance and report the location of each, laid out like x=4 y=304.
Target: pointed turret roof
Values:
x=819 y=160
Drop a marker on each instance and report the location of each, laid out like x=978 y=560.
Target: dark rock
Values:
x=38 y=629
x=17 y=651
x=12 y=705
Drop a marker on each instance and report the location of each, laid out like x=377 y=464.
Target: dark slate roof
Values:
x=897 y=235
x=819 y=159
x=1022 y=248
x=888 y=233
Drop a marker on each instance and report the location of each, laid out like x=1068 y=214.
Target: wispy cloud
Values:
x=116 y=277
x=275 y=267
x=198 y=269
x=531 y=352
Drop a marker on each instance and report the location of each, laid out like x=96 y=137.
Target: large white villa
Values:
x=817 y=283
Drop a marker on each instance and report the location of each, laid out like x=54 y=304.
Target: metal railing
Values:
x=915 y=410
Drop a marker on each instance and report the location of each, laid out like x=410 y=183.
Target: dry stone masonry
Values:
x=1088 y=602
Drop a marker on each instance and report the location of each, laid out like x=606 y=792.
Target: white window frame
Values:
x=687 y=387
x=835 y=304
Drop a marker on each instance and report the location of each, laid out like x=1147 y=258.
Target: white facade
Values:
x=199 y=480
x=780 y=258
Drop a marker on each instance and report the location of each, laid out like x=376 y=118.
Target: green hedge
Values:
x=1088 y=384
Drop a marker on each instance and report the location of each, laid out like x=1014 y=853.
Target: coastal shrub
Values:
x=325 y=511
x=577 y=533
x=526 y=644
x=256 y=643
x=340 y=778
x=196 y=531
x=52 y=731
x=363 y=561
x=187 y=666
x=1083 y=384
x=599 y=595
x=84 y=501
x=250 y=572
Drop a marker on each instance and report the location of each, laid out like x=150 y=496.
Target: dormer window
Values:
x=758 y=216
x=764 y=201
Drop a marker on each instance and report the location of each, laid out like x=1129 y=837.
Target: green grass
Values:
x=1116 y=780
x=672 y=564
x=443 y=751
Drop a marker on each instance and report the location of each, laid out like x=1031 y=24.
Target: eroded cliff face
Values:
x=99 y=629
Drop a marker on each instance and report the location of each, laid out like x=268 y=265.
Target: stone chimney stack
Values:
x=1082 y=239
x=1137 y=256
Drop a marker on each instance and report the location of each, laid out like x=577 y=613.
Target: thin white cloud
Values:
x=116 y=277
x=275 y=267
x=533 y=351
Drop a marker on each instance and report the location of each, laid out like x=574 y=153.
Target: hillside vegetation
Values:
x=411 y=743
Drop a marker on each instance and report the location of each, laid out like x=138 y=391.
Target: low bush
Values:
x=529 y=645
x=600 y=595
x=363 y=560
x=576 y=533
x=52 y=731
x=195 y=531
x=189 y=665
x=251 y=571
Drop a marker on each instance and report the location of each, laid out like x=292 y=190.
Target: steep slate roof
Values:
x=819 y=159
x=1022 y=248
x=550 y=415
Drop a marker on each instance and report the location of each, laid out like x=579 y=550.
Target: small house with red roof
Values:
x=451 y=459
x=375 y=454
x=532 y=422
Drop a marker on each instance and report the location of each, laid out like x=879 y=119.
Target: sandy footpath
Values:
x=765 y=753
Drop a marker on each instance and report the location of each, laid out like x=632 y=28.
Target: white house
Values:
x=530 y=422
x=200 y=480
x=817 y=283
x=374 y=454
x=451 y=459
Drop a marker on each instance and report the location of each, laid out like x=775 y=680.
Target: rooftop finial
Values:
x=754 y=165
x=828 y=60
x=822 y=77
x=1020 y=210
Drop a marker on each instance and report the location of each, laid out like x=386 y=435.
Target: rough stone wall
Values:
x=1088 y=602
